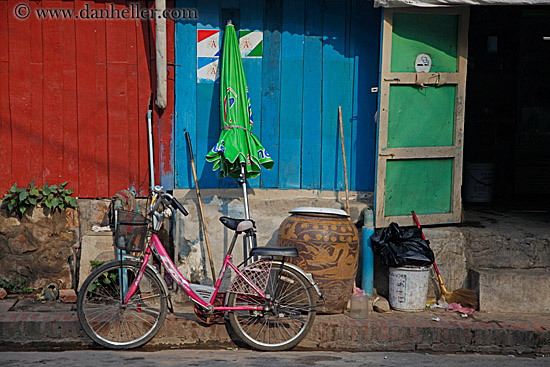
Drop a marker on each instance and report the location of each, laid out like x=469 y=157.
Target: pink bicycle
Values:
x=270 y=304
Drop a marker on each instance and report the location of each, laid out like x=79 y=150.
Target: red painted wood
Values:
x=53 y=93
x=88 y=119
x=102 y=153
x=37 y=117
x=5 y=120
x=70 y=167
x=78 y=92
x=144 y=92
x=20 y=96
x=167 y=118
x=117 y=99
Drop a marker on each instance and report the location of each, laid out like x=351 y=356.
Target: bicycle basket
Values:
x=130 y=231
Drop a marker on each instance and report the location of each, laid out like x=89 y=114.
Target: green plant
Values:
x=55 y=197
x=96 y=264
x=17 y=286
x=19 y=199
x=58 y=197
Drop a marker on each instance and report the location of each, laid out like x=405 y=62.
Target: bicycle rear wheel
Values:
x=287 y=321
x=102 y=315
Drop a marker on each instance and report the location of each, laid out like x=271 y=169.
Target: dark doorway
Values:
x=507 y=123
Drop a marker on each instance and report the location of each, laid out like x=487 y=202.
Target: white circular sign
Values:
x=423 y=63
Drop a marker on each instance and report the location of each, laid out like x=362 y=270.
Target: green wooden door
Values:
x=421 y=122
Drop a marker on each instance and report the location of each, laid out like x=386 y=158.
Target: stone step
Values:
x=513 y=290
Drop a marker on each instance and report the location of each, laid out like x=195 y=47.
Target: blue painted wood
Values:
x=292 y=65
x=313 y=76
x=185 y=95
x=325 y=55
x=271 y=67
x=365 y=21
x=208 y=104
x=336 y=91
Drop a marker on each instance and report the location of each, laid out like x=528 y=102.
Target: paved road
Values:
x=211 y=358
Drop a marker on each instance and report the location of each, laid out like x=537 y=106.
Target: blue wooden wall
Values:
x=317 y=55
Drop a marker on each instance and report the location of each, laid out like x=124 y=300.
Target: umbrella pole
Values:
x=242 y=181
x=247 y=246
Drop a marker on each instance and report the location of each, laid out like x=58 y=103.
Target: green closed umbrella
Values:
x=238 y=153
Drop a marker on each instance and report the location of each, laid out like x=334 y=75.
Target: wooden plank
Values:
x=208 y=105
x=366 y=41
x=186 y=95
x=53 y=89
x=20 y=84
x=102 y=152
x=462 y=67
x=144 y=91
x=292 y=66
x=336 y=92
x=5 y=119
x=117 y=103
x=271 y=93
x=69 y=102
x=88 y=143
x=251 y=18
x=166 y=124
x=37 y=119
x=312 y=108
x=134 y=118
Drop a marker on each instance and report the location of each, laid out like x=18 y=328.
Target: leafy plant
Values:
x=96 y=264
x=58 y=197
x=17 y=286
x=19 y=199
x=54 y=197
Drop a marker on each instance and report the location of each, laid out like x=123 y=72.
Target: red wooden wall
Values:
x=73 y=100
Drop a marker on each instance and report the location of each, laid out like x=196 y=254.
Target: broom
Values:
x=466 y=297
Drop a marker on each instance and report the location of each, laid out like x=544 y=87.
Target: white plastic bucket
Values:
x=409 y=288
x=479 y=180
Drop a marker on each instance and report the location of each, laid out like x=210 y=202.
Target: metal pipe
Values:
x=151 y=153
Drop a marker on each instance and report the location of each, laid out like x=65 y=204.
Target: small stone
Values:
x=67 y=295
x=3 y=293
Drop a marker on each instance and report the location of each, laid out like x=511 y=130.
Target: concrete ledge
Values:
x=399 y=331
x=513 y=290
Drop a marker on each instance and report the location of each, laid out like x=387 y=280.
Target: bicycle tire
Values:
x=99 y=306
x=283 y=327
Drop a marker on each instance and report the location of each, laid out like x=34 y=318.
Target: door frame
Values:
x=389 y=78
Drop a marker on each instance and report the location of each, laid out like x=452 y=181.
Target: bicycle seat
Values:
x=274 y=251
x=239 y=225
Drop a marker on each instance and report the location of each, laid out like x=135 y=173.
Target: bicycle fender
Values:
x=308 y=276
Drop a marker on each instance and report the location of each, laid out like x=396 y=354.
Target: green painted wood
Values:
x=432 y=34
x=422 y=185
x=421 y=117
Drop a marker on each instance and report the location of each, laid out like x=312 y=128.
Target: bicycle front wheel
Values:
x=288 y=318
x=106 y=320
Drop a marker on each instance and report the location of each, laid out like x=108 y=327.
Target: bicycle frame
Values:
x=184 y=283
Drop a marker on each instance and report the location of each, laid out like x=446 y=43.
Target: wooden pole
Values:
x=203 y=221
x=344 y=157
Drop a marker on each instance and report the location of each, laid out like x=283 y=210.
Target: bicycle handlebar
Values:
x=161 y=196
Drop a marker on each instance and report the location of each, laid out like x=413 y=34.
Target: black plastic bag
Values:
x=397 y=246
